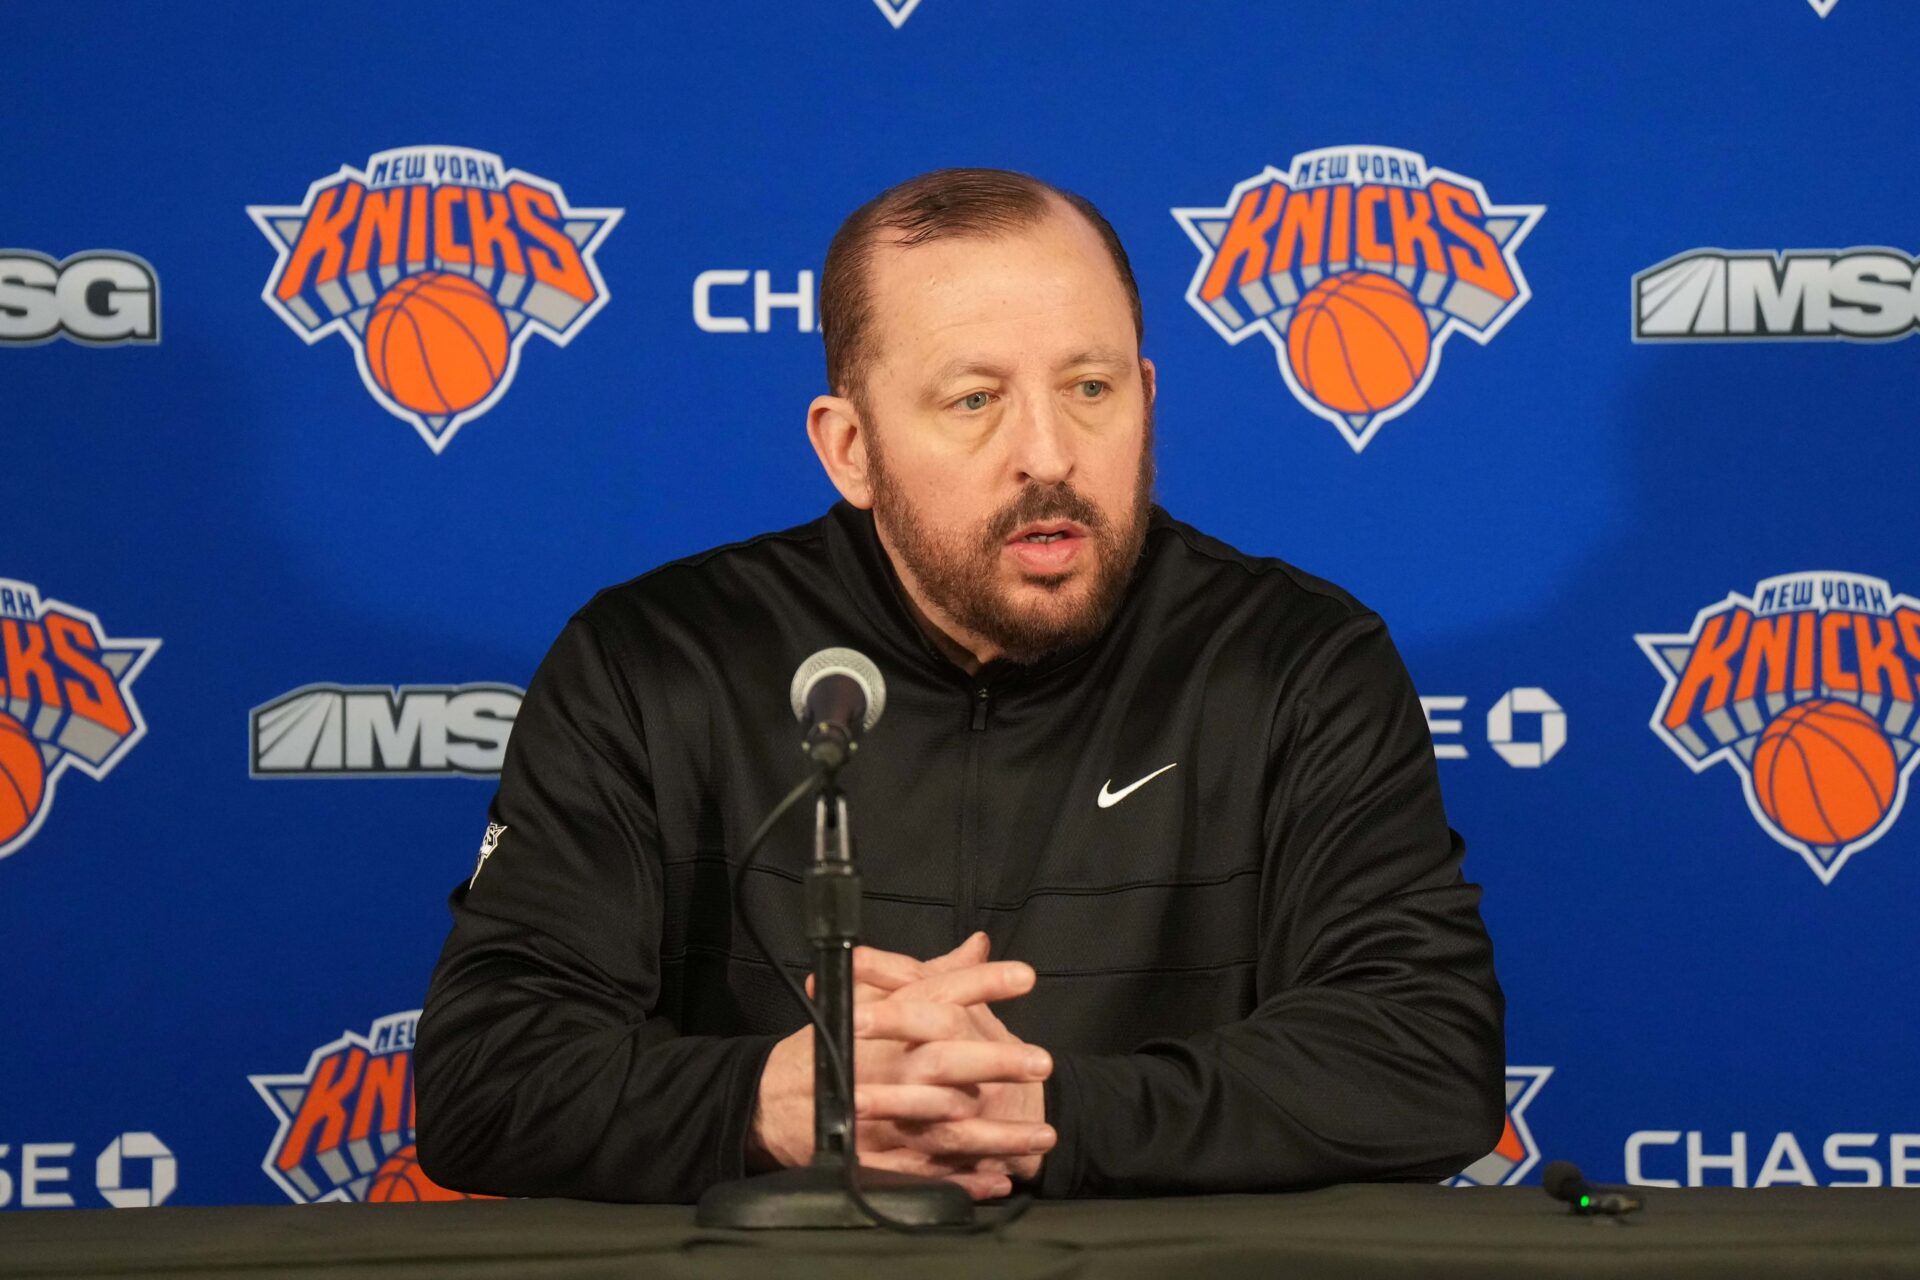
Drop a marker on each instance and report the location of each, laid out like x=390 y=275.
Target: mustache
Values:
x=1044 y=502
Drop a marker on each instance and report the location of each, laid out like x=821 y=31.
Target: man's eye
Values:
x=1093 y=389
x=977 y=401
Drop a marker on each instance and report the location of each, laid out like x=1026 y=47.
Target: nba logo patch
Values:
x=436 y=264
x=1358 y=263
x=1806 y=690
x=66 y=701
x=1516 y=1153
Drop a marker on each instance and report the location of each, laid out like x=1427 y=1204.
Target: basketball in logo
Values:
x=23 y=778
x=1359 y=342
x=400 y=1180
x=437 y=343
x=1824 y=772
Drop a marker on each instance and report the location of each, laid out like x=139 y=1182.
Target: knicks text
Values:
x=66 y=699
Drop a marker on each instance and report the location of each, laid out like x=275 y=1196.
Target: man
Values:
x=1176 y=806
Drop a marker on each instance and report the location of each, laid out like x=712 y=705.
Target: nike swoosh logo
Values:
x=1110 y=798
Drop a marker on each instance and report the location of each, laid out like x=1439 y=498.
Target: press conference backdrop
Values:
x=350 y=347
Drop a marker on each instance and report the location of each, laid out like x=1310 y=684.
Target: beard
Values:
x=960 y=571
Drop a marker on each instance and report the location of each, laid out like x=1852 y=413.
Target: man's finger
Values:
x=975 y=984
x=940 y=1166
x=957 y=1062
x=878 y=1061
x=980 y=1184
x=972 y=951
x=983 y=1186
x=987 y=1026
x=862 y=991
x=878 y=973
x=916 y=1020
x=915 y=1102
x=888 y=970
x=973 y=1138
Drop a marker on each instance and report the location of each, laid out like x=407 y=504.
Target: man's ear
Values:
x=840 y=440
x=1147 y=378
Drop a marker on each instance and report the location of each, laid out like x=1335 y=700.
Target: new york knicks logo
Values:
x=346 y=1122
x=1358 y=263
x=1516 y=1153
x=66 y=701
x=436 y=264
x=1806 y=689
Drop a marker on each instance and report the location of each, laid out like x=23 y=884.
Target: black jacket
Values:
x=1261 y=969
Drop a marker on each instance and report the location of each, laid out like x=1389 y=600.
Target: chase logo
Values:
x=1517 y=1152
x=1806 y=689
x=66 y=700
x=347 y=1122
x=102 y=298
x=345 y=731
x=1801 y=295
x=1358 y=263
x=436 y=264
x=1823 y=7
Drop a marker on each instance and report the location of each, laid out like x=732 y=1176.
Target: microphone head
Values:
x=1562 y=1180
x=850 y=663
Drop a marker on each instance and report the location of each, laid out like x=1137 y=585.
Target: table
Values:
x=1348 y=1231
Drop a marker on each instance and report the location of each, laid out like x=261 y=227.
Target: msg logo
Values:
x=101 y=298
x=1792 y=295
x=342 y=731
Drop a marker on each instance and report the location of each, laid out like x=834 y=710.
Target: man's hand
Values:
x=980 y=1134
x=782 y=1130
x=942 y=1088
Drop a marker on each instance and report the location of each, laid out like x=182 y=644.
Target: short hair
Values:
x=934 y=206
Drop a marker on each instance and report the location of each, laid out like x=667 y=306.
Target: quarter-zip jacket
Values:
x=1215 y=833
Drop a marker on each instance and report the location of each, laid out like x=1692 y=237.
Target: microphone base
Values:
x=815 y=1197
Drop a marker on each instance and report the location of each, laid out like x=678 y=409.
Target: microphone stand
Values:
x=819 y=1194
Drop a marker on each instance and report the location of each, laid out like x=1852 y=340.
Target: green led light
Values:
x=1586 y=1201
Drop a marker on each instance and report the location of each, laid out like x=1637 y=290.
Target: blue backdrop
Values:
x=347 y=349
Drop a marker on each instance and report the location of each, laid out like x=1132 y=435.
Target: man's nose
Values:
x=1040 y=443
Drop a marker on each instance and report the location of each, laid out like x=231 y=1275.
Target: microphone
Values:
x=1563 y=1181
x=838 y=694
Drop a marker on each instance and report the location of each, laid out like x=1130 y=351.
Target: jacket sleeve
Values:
x=541 y=1067
x=1376 y=1047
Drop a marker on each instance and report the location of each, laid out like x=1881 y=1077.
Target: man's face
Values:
x=1008 y=433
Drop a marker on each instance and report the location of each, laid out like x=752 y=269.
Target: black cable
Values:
x=1017 y=1205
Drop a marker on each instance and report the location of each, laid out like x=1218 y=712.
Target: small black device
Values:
x=1563 y=1181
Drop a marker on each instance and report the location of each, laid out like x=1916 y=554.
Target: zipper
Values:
x=969 y=810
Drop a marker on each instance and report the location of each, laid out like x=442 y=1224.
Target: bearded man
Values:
x=1161 y=893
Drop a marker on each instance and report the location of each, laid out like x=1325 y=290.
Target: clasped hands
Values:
x=941 y=1087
